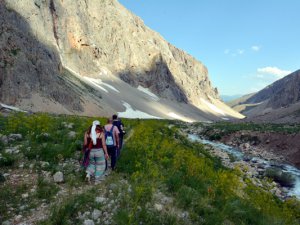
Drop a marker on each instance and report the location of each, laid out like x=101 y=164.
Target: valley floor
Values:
x=161 y=178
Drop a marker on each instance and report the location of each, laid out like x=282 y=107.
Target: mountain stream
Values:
x=292 y=190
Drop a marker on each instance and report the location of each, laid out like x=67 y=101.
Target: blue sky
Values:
x=245 y=44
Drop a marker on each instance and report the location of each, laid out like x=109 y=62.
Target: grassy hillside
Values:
x=161 y=178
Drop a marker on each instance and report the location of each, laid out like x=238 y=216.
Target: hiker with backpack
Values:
x=112 y=141
x=118 y=123
x=95 y=152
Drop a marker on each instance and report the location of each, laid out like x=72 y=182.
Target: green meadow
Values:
x=161 y=178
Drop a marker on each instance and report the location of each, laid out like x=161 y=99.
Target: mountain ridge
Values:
x=278 y=102
x=103 y=40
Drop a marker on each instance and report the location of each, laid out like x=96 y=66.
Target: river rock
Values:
x=283 y=178
x=261 y=166
x=58 y=177
x=254 y=160
x=247 y=146
x=260 y=171
x=247 y=158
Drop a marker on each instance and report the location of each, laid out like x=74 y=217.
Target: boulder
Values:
x=96 y=214
x=247 y=146
x=58 y=177
x=283 y=178
x=12 y=150
x=4 y=139
x=15 y=137
x=158 y=207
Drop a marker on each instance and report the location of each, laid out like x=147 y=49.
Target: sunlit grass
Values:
x=156 y=158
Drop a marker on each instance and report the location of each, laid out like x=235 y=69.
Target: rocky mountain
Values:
x=94 y=57
x=278 y=102
x=238 y=103
x=228 y=98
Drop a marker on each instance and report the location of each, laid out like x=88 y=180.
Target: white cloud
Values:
x=234 y=53
x=226 y=51
x=275 y=71
x=240 y=51
x=255 y=48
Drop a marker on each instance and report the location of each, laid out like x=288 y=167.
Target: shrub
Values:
x=46 y=190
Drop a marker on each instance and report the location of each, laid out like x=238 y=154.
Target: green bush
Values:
x=7 y=160
x=46 y=190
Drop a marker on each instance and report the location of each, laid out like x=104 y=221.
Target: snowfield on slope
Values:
x=148 y=92
x=213 y=107
x=131 y=113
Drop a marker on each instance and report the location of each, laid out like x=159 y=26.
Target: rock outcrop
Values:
x=42 y=39
x=28 y=67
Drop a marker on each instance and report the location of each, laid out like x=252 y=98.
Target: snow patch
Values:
x=96 y=83
x=131 y=113
x=213 y=107
x=99 y=82
x=111 y=87
x=178 y=117
x=225 y=118
x=148 y=92
x=12 y=108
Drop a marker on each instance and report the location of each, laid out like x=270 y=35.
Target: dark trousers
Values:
x=112 y=152
x=120 y=147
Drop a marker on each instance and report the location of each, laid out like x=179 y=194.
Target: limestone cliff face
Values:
x=100 y=36
x=27 y=67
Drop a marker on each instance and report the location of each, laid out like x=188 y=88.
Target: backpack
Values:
x=109 y=137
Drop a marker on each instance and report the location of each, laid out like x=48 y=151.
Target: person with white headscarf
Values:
x=95 y=141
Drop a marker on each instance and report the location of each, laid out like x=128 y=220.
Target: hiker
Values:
x=112 y=141
x=118 y=123
x=94 y=139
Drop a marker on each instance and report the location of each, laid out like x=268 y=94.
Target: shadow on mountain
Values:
x=158 y=78
x=28 y=67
